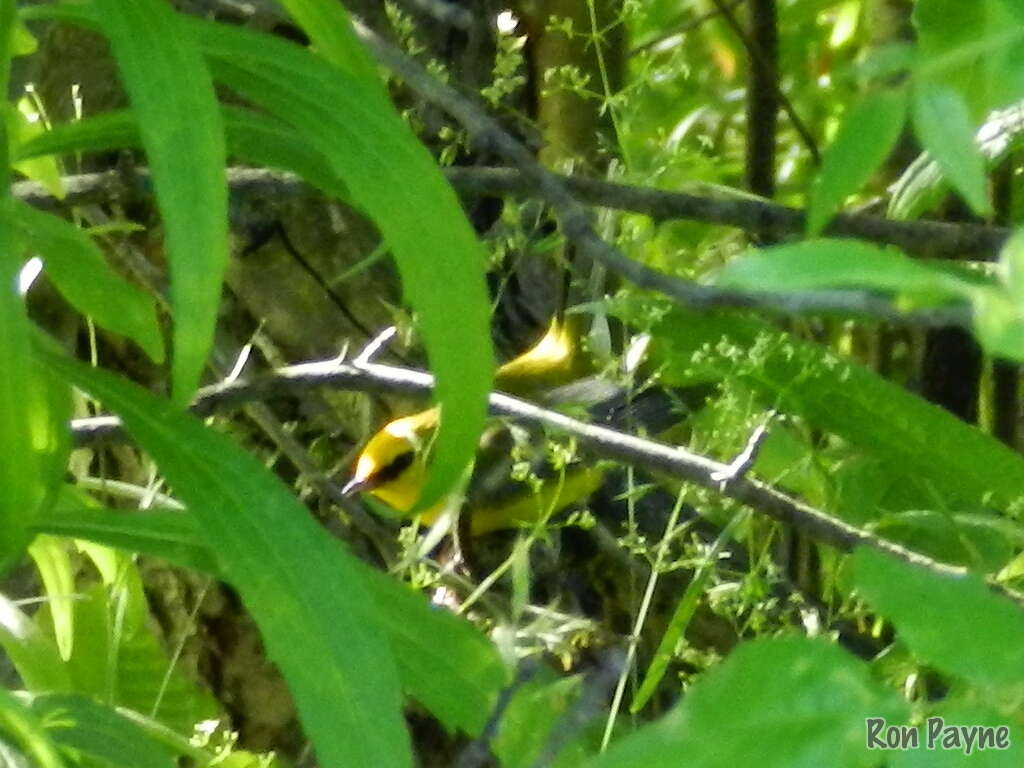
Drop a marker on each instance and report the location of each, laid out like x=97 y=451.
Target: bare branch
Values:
x=601 y=441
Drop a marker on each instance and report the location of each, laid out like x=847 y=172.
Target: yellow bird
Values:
x=393 y=465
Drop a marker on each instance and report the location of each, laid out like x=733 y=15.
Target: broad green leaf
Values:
x=24 y=42
x=938 y=747
x=926 y=444
x=999 y=323
x=984 y=650
x=54 y=565
x=174 y=536
x=303 y=589
x=822 y=264
x=786 y=702
x=96 y=133
x=109 y=735
x=867 y=134
x=32 y=652
x=80 y=272
x=173 y=98
x=443 y=662
x=20 y=726
x=943 y=125
x=396 y=181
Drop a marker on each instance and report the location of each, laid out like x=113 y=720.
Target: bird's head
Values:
x=392 y=466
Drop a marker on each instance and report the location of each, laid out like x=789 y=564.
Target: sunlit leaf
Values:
x=813 y=265
x=865 y=138
x=80 y=272
x=443 y=662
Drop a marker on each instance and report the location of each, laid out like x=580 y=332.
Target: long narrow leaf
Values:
x=330 y=29
x=173 y=98
x=252 y=138
x=303 y=589
x=19 y=469
x=443 y=662
x=398 y=183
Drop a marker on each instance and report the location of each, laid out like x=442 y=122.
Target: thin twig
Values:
x=755 y=53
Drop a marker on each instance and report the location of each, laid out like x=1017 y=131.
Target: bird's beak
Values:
x=356 y=485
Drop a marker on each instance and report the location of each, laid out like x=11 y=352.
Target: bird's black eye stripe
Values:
x=397 y=466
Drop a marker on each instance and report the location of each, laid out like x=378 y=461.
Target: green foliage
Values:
x=979 y=650
x=943 y=124
x=442 y=662
x=359 y=649
x=168 y=83
x=353 y=688
x=814 y=265
x=921 y=444
x=777 y=702
x=77 y=267
x=864 y=139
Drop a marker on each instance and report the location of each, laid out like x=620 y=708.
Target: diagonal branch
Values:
x=576 y=224
x=601 y=441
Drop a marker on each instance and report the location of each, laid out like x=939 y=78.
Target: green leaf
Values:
x=80 y=272
x=252 y=138
x=23 y=728
x=867 y=134
x=24 y=123
x=33 y=653
x=173 y=98
x=22 y=412
x=943 y=125
x=443 y=662
x=396 y=181
x=303 y=589
x=973 y=48
x=329 y=27
x=920 y=603
x=929 y=446
x=109 y=735
x=999 y=323
x=96 y=133
x=534 y=712
x=786 y=702
x=983 y=542
x=117 y=658
x=173 y=536
x=54 y=565
x=822 y=264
